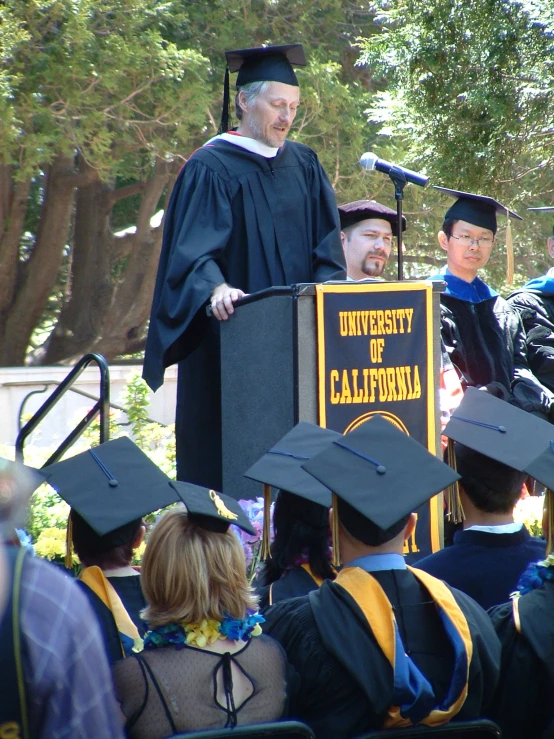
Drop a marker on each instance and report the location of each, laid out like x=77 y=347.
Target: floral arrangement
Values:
x=251 y=543
x=528 y=511
x=534 y=576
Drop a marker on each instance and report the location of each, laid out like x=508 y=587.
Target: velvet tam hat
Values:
x=361 y=210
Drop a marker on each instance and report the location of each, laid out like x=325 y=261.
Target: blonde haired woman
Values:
x=205 y=663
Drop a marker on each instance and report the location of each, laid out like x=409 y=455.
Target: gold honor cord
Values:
x=549 y=503
x=68 y=561
x=335 y=561
x=222 y=509
x=509 y=251
x=454 y=508
x=265 y=549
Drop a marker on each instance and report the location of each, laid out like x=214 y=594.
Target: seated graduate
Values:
x=299 y=559
x=490 y=553
x=384 y=645
x=109 y=489
x=482 y=333
x=200 y=668
x=523 y=704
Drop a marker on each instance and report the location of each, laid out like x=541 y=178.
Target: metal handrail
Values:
x=100 y=408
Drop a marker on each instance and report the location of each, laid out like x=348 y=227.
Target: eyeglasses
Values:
x=485 y=241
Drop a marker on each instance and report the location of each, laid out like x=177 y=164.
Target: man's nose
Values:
x=285 y=115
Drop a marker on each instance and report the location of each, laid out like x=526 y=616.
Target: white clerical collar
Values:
x=501 y=528
x=256 y=147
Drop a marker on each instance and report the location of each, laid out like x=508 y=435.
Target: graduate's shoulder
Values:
x=293 y=613
x=476 y=616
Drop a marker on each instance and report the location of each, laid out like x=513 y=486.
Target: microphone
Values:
x=371 y=161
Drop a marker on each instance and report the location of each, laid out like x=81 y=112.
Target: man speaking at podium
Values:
x=248 y=211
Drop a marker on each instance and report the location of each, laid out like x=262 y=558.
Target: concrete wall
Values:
x=17 y=382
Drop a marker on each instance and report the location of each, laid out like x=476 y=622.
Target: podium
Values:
x=271 y=371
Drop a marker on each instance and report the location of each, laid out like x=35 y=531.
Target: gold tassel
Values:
x=454 y=508
x=335 y=561
x=69 y=543
x=265 y=549
x=549 y=503
x=509 y=251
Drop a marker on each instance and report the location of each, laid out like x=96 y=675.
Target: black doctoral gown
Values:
x=524 y=706
x=235 y=217
x=485 y=340
x=346 y=682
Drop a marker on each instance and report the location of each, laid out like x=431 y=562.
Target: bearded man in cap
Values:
x=366 y=236
x=483 y=335
x=248 y=211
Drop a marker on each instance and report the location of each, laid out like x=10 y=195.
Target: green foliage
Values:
x=97 y=77
x=470 y=84
x=48 y=512
x=467 y=99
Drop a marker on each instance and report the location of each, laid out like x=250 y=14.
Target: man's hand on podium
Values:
x=222 y=300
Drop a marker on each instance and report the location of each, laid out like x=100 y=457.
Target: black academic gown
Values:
x=346 y=683
x=485 y=340
x=235 y=217
x=484 y=565
x=292 y=584
x=524 y=706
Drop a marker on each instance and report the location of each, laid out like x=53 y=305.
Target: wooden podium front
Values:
x=273 y=373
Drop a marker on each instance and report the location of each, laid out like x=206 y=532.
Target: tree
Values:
x=468 y=99
x=101 y=102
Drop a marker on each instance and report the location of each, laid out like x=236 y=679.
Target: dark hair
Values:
x=364 y=530
x=448 y=225
x=491 y=486
x=93 y=549
x=298 y=525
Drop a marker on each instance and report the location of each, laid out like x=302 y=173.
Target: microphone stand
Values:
x=399 y=179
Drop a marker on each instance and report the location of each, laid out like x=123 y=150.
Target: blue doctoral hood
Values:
x=471 y=292
x=543 y=284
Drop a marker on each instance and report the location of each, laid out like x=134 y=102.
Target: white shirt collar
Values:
x=253 y=145
x=502 y=528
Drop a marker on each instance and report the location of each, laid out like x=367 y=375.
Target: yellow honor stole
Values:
x=95 y=579
x=413 y=698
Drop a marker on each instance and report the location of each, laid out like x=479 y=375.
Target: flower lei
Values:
x=205 y=632
x=534 y=576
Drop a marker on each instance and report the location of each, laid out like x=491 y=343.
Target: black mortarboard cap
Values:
x=381 y=472
x=360 y=210
x=110 y=486
x=266 y=63
x=506 y=433
x=281 y=466
x=479 y=210
x=211 y=510
x=261 y=64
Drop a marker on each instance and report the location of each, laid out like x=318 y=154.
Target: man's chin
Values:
x=375 y=270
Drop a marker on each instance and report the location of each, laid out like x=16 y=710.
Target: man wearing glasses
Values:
x=483 y=335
